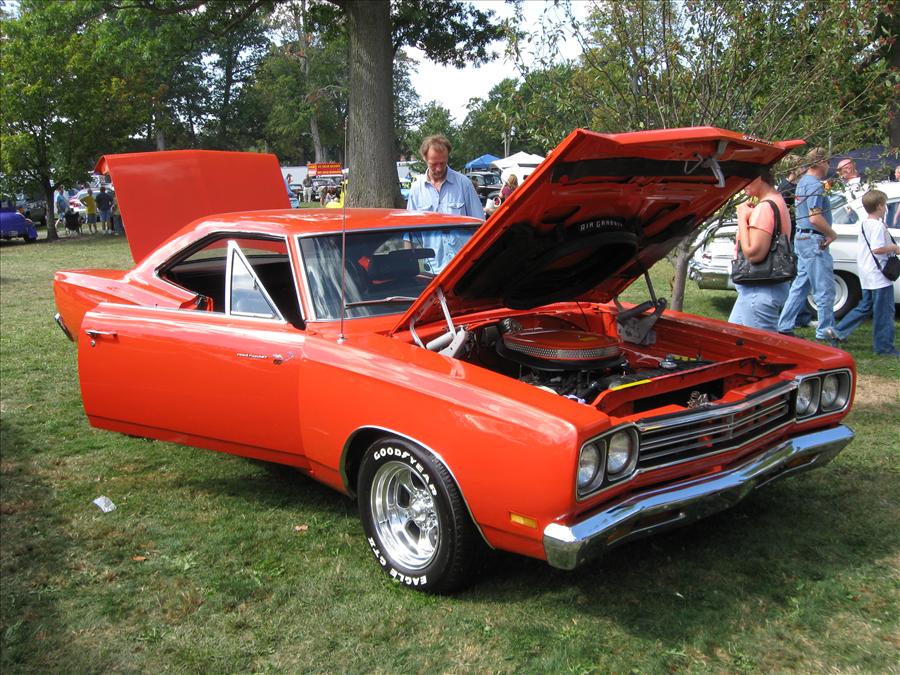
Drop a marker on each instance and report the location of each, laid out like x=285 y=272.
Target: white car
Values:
x=710 y=266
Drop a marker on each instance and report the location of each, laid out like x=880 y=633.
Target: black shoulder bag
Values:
x=891 y=268
x=780 y=264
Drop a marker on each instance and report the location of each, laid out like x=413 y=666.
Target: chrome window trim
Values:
x=821 y=376
x=235 y=251
x=230 y=235
x=307 y=235
x=393 y=228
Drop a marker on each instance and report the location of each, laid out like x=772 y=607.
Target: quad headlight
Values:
x=607 y=459
x=621 y=453
x=588 y=465
x=835 y=391
x=808 y=397
x=823 y=393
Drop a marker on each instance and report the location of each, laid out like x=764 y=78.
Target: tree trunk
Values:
x=228 y=84
x=303 y=33
x=681 y=269
x=316 y=137
x=373 y=173
x=52 y=234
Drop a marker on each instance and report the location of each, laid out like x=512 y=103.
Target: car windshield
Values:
x=385 y=269
x=492 y=179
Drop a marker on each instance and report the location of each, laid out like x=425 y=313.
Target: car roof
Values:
x=322 y=221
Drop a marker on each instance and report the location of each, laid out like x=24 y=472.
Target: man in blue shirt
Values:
x=815 y=268
x=443 y=190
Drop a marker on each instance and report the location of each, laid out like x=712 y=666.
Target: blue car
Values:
x=13 y=224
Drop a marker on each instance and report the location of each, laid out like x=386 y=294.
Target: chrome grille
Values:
x=687 y=436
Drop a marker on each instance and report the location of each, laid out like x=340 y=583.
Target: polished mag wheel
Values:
x=404 y=513
x=416 y=522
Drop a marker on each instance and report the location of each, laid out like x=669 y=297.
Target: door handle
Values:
x=94 y=334
x=278 y=359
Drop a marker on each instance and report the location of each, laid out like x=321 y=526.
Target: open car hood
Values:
x=161 y=192
x=597 y=213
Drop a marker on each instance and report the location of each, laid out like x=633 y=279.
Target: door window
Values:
x=241 y=276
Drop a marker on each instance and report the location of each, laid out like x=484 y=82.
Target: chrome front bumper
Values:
x=710 y=277
x=641 y=515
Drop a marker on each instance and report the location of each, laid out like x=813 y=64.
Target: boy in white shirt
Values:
x=874 y=245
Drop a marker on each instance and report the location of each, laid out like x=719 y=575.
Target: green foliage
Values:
x=455 y=33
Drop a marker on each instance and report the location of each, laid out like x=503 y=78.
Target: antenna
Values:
x=341 y=339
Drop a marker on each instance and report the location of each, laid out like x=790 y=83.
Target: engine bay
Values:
x=560 y=356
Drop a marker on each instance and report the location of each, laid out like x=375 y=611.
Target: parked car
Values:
x=36 y=211
x=13 y=225
x=488 y=183
x=710 y=265
x=501 y=396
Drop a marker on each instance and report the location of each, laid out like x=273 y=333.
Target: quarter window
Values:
x=245 y=295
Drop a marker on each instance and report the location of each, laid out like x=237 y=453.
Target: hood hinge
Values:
x=447 y=337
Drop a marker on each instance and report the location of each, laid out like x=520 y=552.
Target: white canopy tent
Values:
x=521 y=164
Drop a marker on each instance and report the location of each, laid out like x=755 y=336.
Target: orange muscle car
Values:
x=468 y=384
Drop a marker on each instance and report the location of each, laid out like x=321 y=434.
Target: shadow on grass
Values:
x=275 y=486
x=701 y=579
x=35 y=549
x=722 y=303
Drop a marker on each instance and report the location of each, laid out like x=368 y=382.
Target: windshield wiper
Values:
x=381 y=301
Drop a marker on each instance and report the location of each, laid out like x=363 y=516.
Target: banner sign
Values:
x=324 y=169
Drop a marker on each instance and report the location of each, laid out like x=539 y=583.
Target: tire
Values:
x=847 y=294
x=414 y=517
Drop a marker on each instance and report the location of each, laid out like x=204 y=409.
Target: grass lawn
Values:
x=202 y=566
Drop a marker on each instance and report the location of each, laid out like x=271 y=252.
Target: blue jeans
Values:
x=759 y=306
x=879 y=304
x=815 y=270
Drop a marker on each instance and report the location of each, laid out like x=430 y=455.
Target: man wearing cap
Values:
x=815 y=267
x=846 y=170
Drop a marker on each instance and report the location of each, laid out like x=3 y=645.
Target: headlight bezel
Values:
x=596 y=474
x=812 y=407
x=631 y=460
x=817 y=380
x=602 y=479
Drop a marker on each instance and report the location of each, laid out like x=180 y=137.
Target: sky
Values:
x=452 y=87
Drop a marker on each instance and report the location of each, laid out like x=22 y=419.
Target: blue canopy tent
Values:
x=482 y=163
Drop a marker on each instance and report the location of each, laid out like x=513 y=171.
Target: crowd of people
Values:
x=801 y=208
x=101 y=213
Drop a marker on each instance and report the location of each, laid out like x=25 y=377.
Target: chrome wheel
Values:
x=405 y=515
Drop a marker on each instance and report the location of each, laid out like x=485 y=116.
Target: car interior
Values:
x=203 y=270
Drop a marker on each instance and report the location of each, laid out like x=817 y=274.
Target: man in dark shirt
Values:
x=104 y=205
